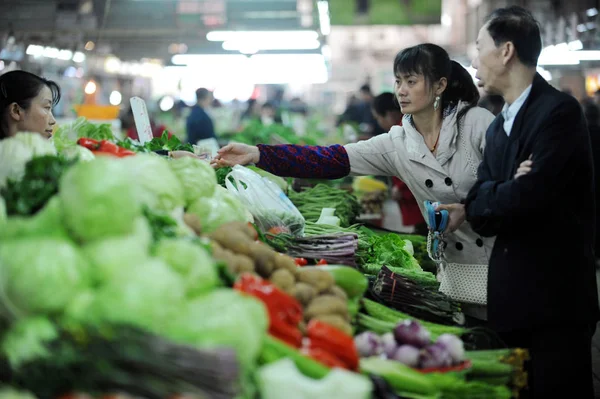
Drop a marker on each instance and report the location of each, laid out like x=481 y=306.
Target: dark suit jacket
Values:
x=541 y=270
x=199 y=125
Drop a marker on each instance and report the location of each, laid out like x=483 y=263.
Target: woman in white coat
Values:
x=436 y=153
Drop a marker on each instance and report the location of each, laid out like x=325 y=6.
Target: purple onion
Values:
x=389 y=345
x=454 y=347
x=368 y=344
x=412 y=333
x=435 y=356
x=408 y=355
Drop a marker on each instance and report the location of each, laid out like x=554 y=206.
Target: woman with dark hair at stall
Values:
x=26 y=102
x=436 y=152
x=387 y=113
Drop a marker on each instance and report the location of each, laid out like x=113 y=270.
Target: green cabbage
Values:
x=192 y=262
x=108 y=256
x=99 y=199
x=146 y=295
x=223 y=207
x=196 y=176
x=47 y=223
x=26 y=340
x=40 y=275
x=78 y=152
x=225 y=318
x=159 y=187
x=16 y=151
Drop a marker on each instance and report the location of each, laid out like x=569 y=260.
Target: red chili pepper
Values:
x=324 y=357
x=124 y=152
x=329 y=338
x=90 y=144
x=107 y=146
x=280 y=305
x=289 y=334
x=103 y=153
x=322 y=262
x=301 y=261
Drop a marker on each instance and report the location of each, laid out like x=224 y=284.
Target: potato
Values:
x=236 y=241
x=338 y=292
x=193 y=222
x=304 y=293
x=327 y=304
x=282 y=279
x=264 y=258
x=320 y=279
x=336 y=321
x=285 y=262
x=244 y=263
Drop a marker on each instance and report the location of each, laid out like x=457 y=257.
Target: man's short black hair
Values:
x=202 y=94
x=365 y=89
x=517 y=25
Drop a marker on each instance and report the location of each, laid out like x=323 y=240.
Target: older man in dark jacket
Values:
x=535 y=192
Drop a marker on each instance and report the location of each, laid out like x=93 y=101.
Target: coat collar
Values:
x=447 y=146
x=538 y=86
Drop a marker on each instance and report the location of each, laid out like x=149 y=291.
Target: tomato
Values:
x=301 y=261
x=322 y=262
x=90 y=144
x=107 y=146
x=278 y=230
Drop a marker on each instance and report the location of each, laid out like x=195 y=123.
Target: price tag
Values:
x=141 y=118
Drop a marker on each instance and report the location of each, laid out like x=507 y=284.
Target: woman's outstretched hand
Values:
x=236 y=154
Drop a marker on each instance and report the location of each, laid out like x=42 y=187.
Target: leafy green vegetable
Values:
x=147 y=295
x=162 y=225
x=222 y=175
x=40 y=275
x=190 y=261
x=11 y=393
x=197 y=178
x=223 y=207
x=157 y=185
x=38 y=185
x=78 y=153
x=47 y=223
x=227 y=319
x=311 y=201
x=16 y=151
x=256 y=132
x=109 y=255
x=389 y=250
x=26 y=340
x=99 y=199
x=67 y=135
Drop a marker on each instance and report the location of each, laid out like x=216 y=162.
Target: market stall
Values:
x=125 y=271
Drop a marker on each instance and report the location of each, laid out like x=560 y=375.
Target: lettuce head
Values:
x=196 y=176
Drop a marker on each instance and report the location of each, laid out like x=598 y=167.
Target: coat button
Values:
x=479 y=242
x=428 y=183
x=459 y=246
x=448 y=181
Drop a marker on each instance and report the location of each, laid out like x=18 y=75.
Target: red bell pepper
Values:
x=289 y=334
x=334 y=341
x=324 y=357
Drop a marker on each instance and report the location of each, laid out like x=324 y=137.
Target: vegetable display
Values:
x=310 y=203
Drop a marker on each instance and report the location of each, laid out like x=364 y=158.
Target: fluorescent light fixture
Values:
x=78 y=57
x=592 y=12
x=115 y=98
x=112 y=65
x=544 y=73
x=222 y=36
x=207 y=59
x=324 y=21
x=51 y=52
x=587 y=55
x=581 y=28
x=558 y=55
x=288 y=69
x=65 y=55
x=274 y=43
x=34 y=50
x=575 y=45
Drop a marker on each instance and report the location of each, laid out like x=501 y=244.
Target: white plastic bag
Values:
x=272 y=210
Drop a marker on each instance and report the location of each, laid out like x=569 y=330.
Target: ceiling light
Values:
x=115 y=98
x=575 y=45
x=90 y=87
x=166 y=103
x=78 y=57
x=112 y=65
x=65 y=55
x=51 y=52
x=324 y=20
x=34 y=50
x=274 y=43
x=222 y=36
x=446 y=20
x=207 y=59
x=592 y=12
x=89 y=46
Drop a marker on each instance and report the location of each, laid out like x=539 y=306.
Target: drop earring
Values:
x=436 y=103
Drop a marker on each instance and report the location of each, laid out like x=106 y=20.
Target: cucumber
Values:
x=399 y=376
x=353 y=282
